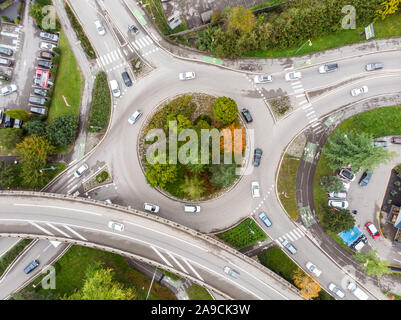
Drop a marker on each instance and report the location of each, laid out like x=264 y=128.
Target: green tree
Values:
x=225 y=110
x=338 y=220
x=346 y=148
x=372 y=264
x=100 y=285
x=331 y=184
x=63 y=130
x=241 y=19
x=159 y=175
x=7 y=174
x=35 y=128
x=193 y=187
x=34 y=152
x=9 y=138
x=18 y=114
x=223 y=175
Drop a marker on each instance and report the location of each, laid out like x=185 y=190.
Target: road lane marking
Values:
x=299 y=90
x=135 y=46
x=58 y=230
x=289 y=236
x=292 y=234
x=40 y=228
x=176 y=261
x=55 y=207
x=119 y=52
x=193 y=270
x=139 y=44
x=162 y=257
x=150 y=40
x=74 y=232
x=105 y=59
x=298 y=232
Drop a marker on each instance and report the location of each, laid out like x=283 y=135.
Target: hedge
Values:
x=100 y=107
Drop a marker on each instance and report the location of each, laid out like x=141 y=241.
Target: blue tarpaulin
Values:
x=350 y=235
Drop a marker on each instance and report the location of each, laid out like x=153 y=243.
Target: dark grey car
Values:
x=365 y=178
x=257 y=157
x=247 y=115
x=126 y=78
x=6 y=51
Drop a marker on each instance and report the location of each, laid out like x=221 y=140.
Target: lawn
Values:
x=391 y=27
x=287 y=185
x=241 y=236
x=69 y=83
x=196 y=292
x=9 y=257
x=71 y=269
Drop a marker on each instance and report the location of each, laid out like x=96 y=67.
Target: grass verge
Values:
x=241 y=236
x=10 y=256
x=101 y=103
x=196 y=292
x=287 y=185
x=70 y=270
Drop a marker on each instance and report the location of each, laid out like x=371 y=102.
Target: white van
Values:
x=115 y=88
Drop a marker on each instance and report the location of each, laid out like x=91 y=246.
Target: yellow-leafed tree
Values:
x=387 y=7
x=308 y=288
x=238 y=139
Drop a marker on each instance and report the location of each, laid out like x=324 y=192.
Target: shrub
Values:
x=102 y=177
x=63 y=130
x=101 y=103
x=281 y=105
x=225 y=110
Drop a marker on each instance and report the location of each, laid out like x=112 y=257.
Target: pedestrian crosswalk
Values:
x=292 y=236
x=145 y=45
x=110 y=58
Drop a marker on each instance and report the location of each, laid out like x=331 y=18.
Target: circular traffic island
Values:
x=192 y=146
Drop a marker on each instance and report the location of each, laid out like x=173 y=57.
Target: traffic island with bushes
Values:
x=101 y=104
x=97 y=180
x=7 y=259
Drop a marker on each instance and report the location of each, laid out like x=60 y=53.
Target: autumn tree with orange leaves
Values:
x=237 y=138
x=308 y=288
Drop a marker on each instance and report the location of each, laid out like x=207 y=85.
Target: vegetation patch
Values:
x=102 y=177
x=196 y=292
x=243 y=235
x=10 y=256
x=286 y=185
x=101 y=104
x=280 y=106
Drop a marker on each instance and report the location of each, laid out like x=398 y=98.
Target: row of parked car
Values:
x=9 y=122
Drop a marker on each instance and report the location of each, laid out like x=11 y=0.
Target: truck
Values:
x=356 y=291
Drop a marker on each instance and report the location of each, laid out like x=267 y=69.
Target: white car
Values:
x=100 y=28
x=8 y=89
x=134 y=117
x=336 y=290
x=338 y=195
x=342 y=204
x=81 y=170
x=255 y=189
x=151 y=207
x=263 y=78
x=192 y=208
x=115 y=89
x=186 y=75
x=231 y=272
x=47 y=46
x=312 y=268
x=116 y=225
x=358 y=91
x=294 y=75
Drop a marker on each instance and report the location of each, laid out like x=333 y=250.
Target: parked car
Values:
x=17 y=124
x=396 y=140
x=79 y=172
x=338 y=195
x=32 y=266
x=357 y=91
x=288 y=245
x=8 y=89
x=231 y=272
x=328 y=68
x=38 y=110
x=336 y=291
x=255 y=189
x=294 y=75
x=116 y=226
x=151 y=207
x=257 y=156
x=192 y=208
x=45 y=64
x=374 y=66
x=115 y=88
x=356 y=291
x=247 y=115
x=126 y=79
x=372 y=230
x=6 y=62
x=38 y=82
x=1 y=115
x=133 y=28
x=263 y=78
x=46 y=54
x=49 y=36
x=8 y=121
x=358 y=244
x=265 y=219
x=347 y=174
x=134 y=117
x=312 y=268
x=47 y=46
x=342 y=204
x=363 y=239
x=365 y=178
x=40 y=92
x=379 y=143
x=99 y=27
x=6 y=51
x=186 y=75
x=37 y=100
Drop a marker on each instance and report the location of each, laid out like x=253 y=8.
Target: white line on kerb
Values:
x=54 y=207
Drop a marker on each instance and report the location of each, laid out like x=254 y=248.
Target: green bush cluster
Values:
x=101 y=103
x=9 y=257
x=102 y=177
x=41 y=17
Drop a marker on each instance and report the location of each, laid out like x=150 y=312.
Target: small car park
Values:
x=328 y=68
x=134 y=117
x=336 y=291
x=247 y=115
x=79 y=172
x=126 y=79
x=347 y=174
x=192 y=208
x=294 y=75
x=115 y=88
x=357 y=91
x=231 y=272
x=263 y=78
x=365 y=178
x=8 y=89
x=312 y=268
x=263 y=216
x=151 y=207
x=99 y=27
x=257 y=156
x=342 y=204
x=6 y=51
x=186 y=76
x=372 y=230
x=49 y=36
x=396 y=140
x=255 y=189
x=288 y=245
x=32 y=266
x=338 y=195
x=116 y=226
x=374 y=66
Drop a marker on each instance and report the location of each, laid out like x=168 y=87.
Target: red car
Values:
x=372 y=230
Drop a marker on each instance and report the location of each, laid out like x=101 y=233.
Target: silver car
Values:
x=134 y=117
x=231 y=272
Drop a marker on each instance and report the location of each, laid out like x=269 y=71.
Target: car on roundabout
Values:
x=191 y=208
x=263 y=78
x=151 y=207
x=116 y=226
x=186 y=76
x=255 y=189
x=357 y=91
x=135 y=116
